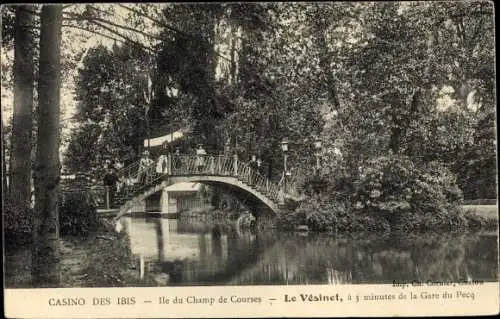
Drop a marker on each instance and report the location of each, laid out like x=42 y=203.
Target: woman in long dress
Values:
x=162 y=164
x=200 y=161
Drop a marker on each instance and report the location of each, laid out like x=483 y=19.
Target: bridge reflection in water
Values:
x=188 y=250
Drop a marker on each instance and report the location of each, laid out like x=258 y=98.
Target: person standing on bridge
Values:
x=176 y=160
x=144 y=163
x=255 y=168
x=200 y=158
x=110 y=182
x=162 y=164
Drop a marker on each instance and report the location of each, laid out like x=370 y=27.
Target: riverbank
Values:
x=101 y=259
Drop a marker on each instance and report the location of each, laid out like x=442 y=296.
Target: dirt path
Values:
x=74 y=261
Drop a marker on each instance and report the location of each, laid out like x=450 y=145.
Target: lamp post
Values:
x=317 y=153
x=284 y=148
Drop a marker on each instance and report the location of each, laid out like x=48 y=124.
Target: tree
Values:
x=274 y=94
x=188 y=63
x=45 y=267
x=22 y=120
x=112 y=108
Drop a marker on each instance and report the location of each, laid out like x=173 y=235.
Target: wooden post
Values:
x=235 y=165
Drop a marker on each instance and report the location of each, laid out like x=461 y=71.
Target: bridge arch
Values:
x=228 y=181
x=238 y=177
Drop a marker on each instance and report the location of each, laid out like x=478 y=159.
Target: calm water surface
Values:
x=182 y=252
x=200 y=252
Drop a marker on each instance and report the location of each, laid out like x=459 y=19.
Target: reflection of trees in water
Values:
x=229 y=256
x=423 y=257
x=281 y=265
x=445 y=256
x=483 y=259
x=319 y=259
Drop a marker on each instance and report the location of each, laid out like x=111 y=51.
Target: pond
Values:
x=190 y=251
x=197 y=252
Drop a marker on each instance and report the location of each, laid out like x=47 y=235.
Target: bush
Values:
x=17 y=223
x=409 y=196
x=77 y=214
x=328 y=214
x=391 y=192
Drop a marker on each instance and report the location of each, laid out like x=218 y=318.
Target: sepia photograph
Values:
x=231 y=146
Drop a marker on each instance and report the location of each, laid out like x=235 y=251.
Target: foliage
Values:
x=421 y=96
x=252 y=74
x=252 y=99
x=479 y=160
x=17 y=222
x=186 y=63
x=8 y=31
x=390 y=192
x=77 y=215
x=112 y=109
x=333 y=215
x=406 y=194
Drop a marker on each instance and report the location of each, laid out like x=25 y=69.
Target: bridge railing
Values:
x=258 y=181
x=129 y=172
x=213 y=165
x=134 y=174
x=201 y=165
x=97 y=195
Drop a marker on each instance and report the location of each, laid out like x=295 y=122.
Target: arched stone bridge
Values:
x=224 y=171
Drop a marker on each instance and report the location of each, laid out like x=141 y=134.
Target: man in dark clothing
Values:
x=110 y=181
x=255 y=168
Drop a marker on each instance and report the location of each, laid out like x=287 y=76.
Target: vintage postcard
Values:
x=287 y=159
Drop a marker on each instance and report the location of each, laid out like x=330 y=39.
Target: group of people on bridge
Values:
x=180 y=163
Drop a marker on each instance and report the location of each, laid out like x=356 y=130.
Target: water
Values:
x=183 y=252
x=198 y=252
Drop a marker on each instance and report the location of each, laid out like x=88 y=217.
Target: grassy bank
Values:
x=486 y=211
x=482 y=216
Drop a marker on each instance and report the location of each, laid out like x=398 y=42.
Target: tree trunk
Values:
x=324 y=62
x=45 y=269
x=22 y=120
x=415 y=115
